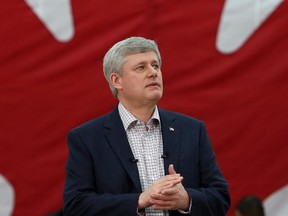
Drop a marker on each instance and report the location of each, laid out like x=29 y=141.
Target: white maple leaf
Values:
x=239 y=20
x=56 y=16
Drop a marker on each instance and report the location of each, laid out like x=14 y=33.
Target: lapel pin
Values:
x=171 y=129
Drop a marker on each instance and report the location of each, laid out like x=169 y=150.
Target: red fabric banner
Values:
x=51 y=80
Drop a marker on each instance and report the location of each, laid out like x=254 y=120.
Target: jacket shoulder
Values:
x=95 y=123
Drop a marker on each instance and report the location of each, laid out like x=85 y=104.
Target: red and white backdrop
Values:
x=224 y=62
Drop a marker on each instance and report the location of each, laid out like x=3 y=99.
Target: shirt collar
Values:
x=128 y=118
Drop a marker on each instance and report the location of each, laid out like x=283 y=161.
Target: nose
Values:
x=152 y=71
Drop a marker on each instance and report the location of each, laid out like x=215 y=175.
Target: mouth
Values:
x=153 y=84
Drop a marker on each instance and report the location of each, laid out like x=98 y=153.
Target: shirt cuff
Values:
x=140 y=212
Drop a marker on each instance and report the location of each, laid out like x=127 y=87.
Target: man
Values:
x=249 y=205
x=140 y=159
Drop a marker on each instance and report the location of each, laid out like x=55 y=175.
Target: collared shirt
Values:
x=147 y=147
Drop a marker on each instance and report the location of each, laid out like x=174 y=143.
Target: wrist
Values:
x=186 y=209
x=143 y=202
x=187 y=202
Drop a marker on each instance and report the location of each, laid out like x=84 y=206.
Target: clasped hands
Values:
x=167 y=193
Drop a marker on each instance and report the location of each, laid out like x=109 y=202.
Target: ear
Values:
x=116 y=80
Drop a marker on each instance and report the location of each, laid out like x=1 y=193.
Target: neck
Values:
x=141 y=112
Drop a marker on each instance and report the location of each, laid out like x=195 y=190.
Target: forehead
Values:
x=137 y=58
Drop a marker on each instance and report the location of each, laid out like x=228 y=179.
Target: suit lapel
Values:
x=116 y=136
x=171 y=140
x=118 y=141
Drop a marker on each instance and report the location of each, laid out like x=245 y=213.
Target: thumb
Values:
x=171 y=169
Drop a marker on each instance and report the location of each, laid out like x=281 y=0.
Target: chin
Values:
x=156 y=97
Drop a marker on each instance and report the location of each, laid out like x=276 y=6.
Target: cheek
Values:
x=132 y=85
x=160 y=77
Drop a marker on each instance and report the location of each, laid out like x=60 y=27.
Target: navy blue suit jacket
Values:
x=102 y=179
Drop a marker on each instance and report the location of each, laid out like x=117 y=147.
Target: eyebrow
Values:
x=148 y=61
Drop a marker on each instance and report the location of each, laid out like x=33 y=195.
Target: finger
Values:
x=161 y=202
x=171 y=169
x=161 y=207
x=155 y=198
x=169 y=191
x=171 y=183
x=174 y=178
x=165 y=182
x=157 y=188
x=169 y=177
x=167 y=205
x=166 y=186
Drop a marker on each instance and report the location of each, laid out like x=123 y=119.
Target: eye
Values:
x=141 y=67
x=155 y=66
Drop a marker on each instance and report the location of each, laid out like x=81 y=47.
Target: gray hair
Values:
x=114 y=58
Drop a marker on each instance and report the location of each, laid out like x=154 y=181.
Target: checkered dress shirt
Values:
x=147 y=147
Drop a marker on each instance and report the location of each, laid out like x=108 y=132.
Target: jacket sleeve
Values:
x=203 y=179
x=80 y=192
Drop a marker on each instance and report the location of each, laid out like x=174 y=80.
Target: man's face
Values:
x=141 y=79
